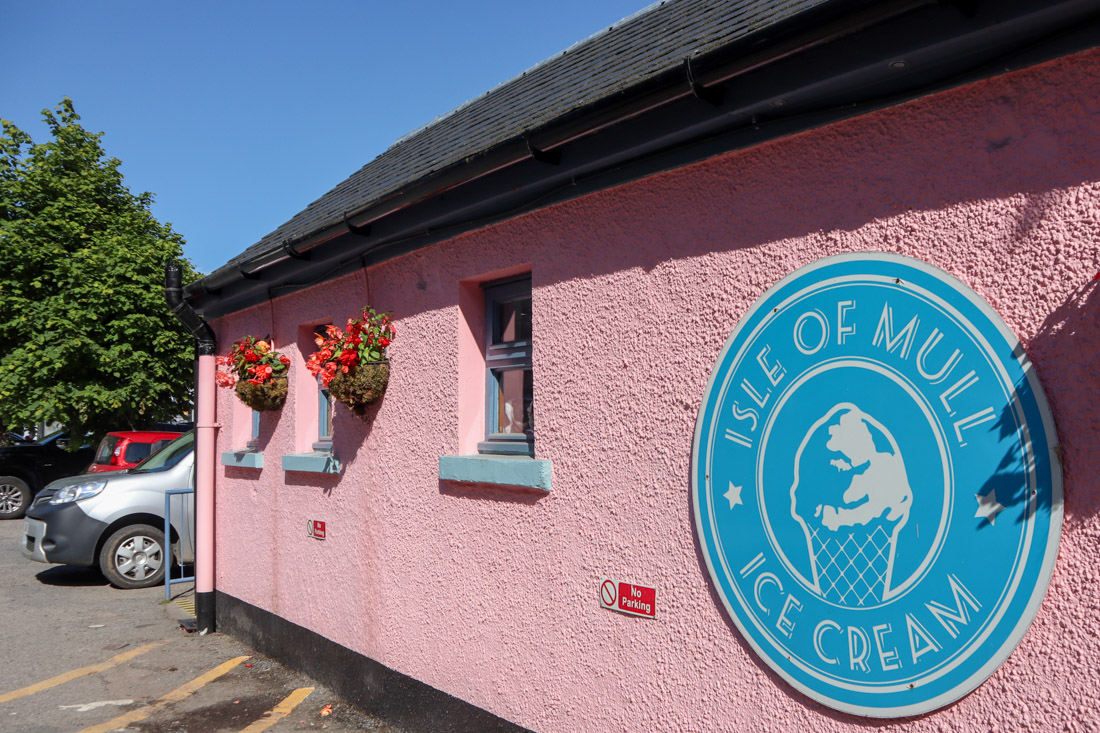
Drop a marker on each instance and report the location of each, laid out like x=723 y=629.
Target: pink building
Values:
x=579 y=244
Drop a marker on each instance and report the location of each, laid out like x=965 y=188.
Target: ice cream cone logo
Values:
x=851 y=496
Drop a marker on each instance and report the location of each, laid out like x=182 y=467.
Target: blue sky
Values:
x=236 y=115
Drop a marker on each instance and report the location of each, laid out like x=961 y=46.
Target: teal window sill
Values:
x=243 y=459
x=312 y=462
x=515 y=471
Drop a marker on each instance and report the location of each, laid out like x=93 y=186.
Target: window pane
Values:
x=515 y=411
x=514 y=321
x=324 y=416
x=106 y=448
x=136 y=452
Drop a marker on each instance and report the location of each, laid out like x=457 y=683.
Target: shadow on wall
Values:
x=326 y=482
x=1066 y=353
x=1001 y=139
x=269 y=423
x=490 y=492
x=351 y=431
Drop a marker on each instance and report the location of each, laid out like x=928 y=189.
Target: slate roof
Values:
x=633 y=50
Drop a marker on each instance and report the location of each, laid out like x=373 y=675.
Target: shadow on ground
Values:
x=71 y=576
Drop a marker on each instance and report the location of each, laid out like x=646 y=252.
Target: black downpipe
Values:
x=206 y=344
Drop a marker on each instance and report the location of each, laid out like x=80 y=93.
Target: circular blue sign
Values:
x=875 y=484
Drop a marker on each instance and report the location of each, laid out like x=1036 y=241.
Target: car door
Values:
x=59 y=462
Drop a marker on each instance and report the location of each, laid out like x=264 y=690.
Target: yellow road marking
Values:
x=187 y=603
x=280 y=711
x=74 y=674
x=175 y=695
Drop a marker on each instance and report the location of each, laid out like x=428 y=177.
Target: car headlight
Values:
x=78 y=492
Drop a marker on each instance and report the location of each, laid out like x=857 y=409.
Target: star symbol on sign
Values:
x=734 y=495
x=988 y=506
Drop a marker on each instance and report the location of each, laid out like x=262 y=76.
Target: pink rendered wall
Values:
x=490 y=594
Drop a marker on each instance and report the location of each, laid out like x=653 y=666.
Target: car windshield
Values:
x=168 y=456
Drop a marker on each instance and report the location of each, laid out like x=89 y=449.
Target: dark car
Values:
x=27 y=467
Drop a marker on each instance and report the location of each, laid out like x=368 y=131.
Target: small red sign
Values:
x=637 y=600
x=315 y=529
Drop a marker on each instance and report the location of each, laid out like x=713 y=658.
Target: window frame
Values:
x=503 y=357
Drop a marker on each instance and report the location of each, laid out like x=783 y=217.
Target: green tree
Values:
x=85 y=336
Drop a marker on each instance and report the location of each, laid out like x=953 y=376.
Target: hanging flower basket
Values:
x=257 y=373
x=352 y=364
x=361 y=386
x=266 y=396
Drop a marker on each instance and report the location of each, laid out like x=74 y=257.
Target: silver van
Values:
x=116 y=520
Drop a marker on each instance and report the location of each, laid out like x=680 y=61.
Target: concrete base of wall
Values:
x=394 y=697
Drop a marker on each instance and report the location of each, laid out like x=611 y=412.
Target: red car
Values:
x=127 y=448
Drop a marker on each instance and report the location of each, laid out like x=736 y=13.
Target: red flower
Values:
x=285 y=360
x=251 y=356
x=384 y=342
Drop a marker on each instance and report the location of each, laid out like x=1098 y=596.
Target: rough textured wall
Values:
x=490 y=594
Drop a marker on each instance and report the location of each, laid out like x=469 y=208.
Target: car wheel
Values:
x=15 y=497
x=134 y=557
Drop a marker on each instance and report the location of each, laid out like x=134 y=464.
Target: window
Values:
x=136 y=452
x=324 y=408
x=106 y=449
x=509 y=409
x=324 y=413
x=254 y=439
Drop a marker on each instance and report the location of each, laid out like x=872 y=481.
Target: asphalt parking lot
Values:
x=79 y=655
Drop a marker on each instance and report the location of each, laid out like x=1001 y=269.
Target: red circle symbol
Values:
x=607 y=593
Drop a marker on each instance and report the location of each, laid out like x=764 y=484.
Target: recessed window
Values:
x=254 y=438
x=509 y=394
x=324 y=403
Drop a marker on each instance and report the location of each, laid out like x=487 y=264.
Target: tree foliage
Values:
x=86 y=339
